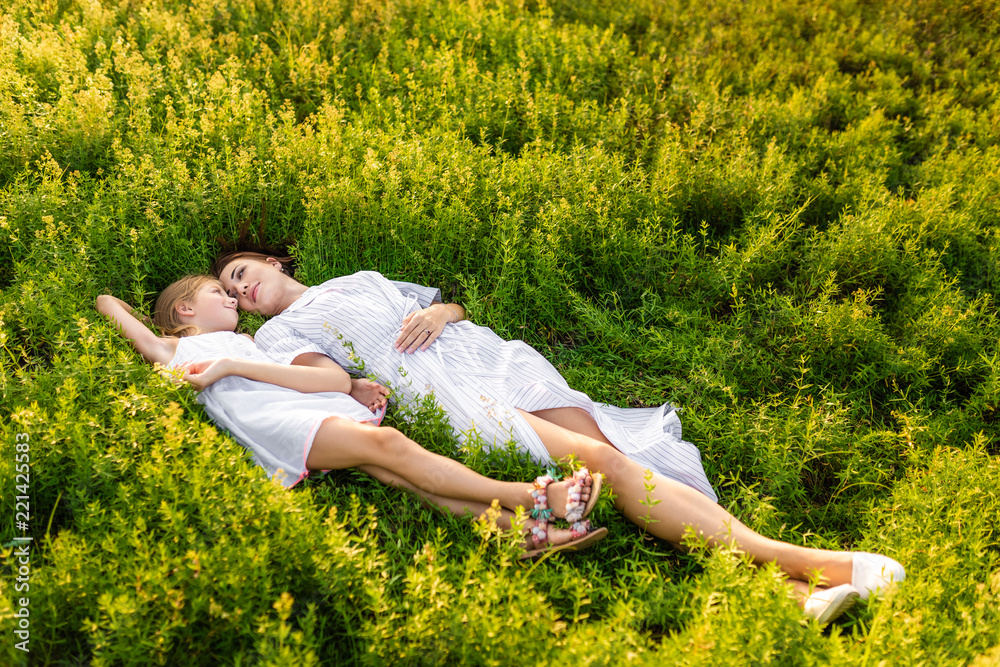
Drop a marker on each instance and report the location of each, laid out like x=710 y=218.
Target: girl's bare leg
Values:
x=454 y=505
x=341 y=443
x=681 y=506
x=460 y=507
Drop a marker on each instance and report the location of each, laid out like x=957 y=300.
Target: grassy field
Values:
x=783 y=217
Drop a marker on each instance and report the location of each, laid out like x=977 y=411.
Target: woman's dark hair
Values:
x=287 y=263
x=242 y=248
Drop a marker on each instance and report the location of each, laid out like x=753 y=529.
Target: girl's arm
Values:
x=153 y=348
x=305 y=378
x=366 y=392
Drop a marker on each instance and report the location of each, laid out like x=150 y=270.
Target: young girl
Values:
x=297 y=418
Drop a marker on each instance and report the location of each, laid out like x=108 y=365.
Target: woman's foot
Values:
x=874 y=573
x=544 y=538
x=571 y=499
x=826 y=604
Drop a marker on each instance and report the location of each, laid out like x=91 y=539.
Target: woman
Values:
x=499 y=390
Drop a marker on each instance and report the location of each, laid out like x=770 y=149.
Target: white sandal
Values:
x=874 y=573
x=827 y=604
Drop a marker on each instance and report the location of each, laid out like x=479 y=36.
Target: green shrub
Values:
x=782 y=219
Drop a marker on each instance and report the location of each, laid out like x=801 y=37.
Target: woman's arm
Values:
x=420 y=328
x=153 y=348
x=307 y=379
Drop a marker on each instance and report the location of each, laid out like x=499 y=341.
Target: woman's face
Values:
x=257 y=285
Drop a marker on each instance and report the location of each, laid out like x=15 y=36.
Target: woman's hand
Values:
x=202 y=374
x=370 y=394
x=422 y=327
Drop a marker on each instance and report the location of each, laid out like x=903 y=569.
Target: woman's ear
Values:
x=273 y=262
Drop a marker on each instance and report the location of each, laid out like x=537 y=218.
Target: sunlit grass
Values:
x=781 y=218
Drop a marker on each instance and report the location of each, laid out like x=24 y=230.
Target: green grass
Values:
x=781 y=216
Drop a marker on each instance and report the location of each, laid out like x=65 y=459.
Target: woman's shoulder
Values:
x=358 y=281
x=324 y=298
x=354 y=278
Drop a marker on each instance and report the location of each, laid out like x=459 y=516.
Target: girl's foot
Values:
x=370 y=394
x=544 y=538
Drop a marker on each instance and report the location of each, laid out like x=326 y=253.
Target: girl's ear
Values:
x=182 y=308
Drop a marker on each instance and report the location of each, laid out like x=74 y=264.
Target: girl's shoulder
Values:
x=215 y=345
x=221 y=342
x=170 y=344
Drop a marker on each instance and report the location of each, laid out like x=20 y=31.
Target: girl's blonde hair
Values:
x=165 y=313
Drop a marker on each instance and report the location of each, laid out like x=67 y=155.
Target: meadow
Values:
x=782 y=217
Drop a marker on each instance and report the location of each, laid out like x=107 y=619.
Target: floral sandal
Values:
x=582 y=538
x=580 y=531
x=575 y=508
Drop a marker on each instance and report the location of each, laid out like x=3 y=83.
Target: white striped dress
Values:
x=277 y=425
x=478 y=378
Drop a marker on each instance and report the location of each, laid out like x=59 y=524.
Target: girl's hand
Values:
x=370 y=394
x=421 y=327
x=202 y=374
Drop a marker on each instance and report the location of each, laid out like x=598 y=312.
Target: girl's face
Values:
x=212 y=309
x=257 y=285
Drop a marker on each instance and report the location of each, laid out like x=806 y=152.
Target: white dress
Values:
x=278 y=425
x=478 y=378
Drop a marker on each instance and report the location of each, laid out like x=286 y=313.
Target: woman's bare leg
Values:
x=681 y=506
x=577 y=420
x=342 y=443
